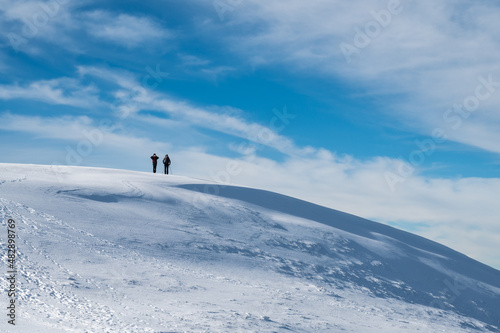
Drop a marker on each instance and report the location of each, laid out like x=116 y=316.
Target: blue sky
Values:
x=384 y=109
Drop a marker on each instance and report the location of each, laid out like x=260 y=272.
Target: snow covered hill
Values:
x=103 y=250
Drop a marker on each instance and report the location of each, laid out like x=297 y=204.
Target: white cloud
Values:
x=200 y=67
x=60 y=128
x=127 y=30
x=120 y=77
x=222 y=119
x=82 y=131
x=215 y=73
x=25 y=22
x=61 y=23
x=191 y=60
x=227 y=123
x=430 y=55
x=62 y=91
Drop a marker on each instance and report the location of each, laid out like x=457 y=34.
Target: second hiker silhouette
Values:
x=166 y=163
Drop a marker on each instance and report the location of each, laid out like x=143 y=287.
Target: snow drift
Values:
x=103 y=250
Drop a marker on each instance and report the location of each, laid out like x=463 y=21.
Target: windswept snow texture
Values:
x=103 y=250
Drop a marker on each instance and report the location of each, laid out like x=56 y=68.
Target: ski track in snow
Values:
x=3 y=181
x=215 y=265
x=39 y=271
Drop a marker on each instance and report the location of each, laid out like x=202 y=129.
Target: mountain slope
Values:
x=123 y=251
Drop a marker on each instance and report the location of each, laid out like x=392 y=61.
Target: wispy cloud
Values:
x=414 y=54
x=227 y=120
x=127 y=30
x=192 y=60
x=62 y=91
x=63 y=23
x=26 y=23
x=204 y=68
x=217 y=72
x=77 y=129
x=221 y=119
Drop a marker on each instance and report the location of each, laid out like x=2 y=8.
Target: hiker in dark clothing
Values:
x=166 y=163
x=154 y=158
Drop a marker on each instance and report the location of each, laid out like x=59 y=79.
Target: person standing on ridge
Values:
x=154 y=158
x=166 y=163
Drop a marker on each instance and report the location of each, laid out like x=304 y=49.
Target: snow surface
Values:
x=103 y=250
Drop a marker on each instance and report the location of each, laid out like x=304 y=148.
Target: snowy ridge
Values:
x=103 y=250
